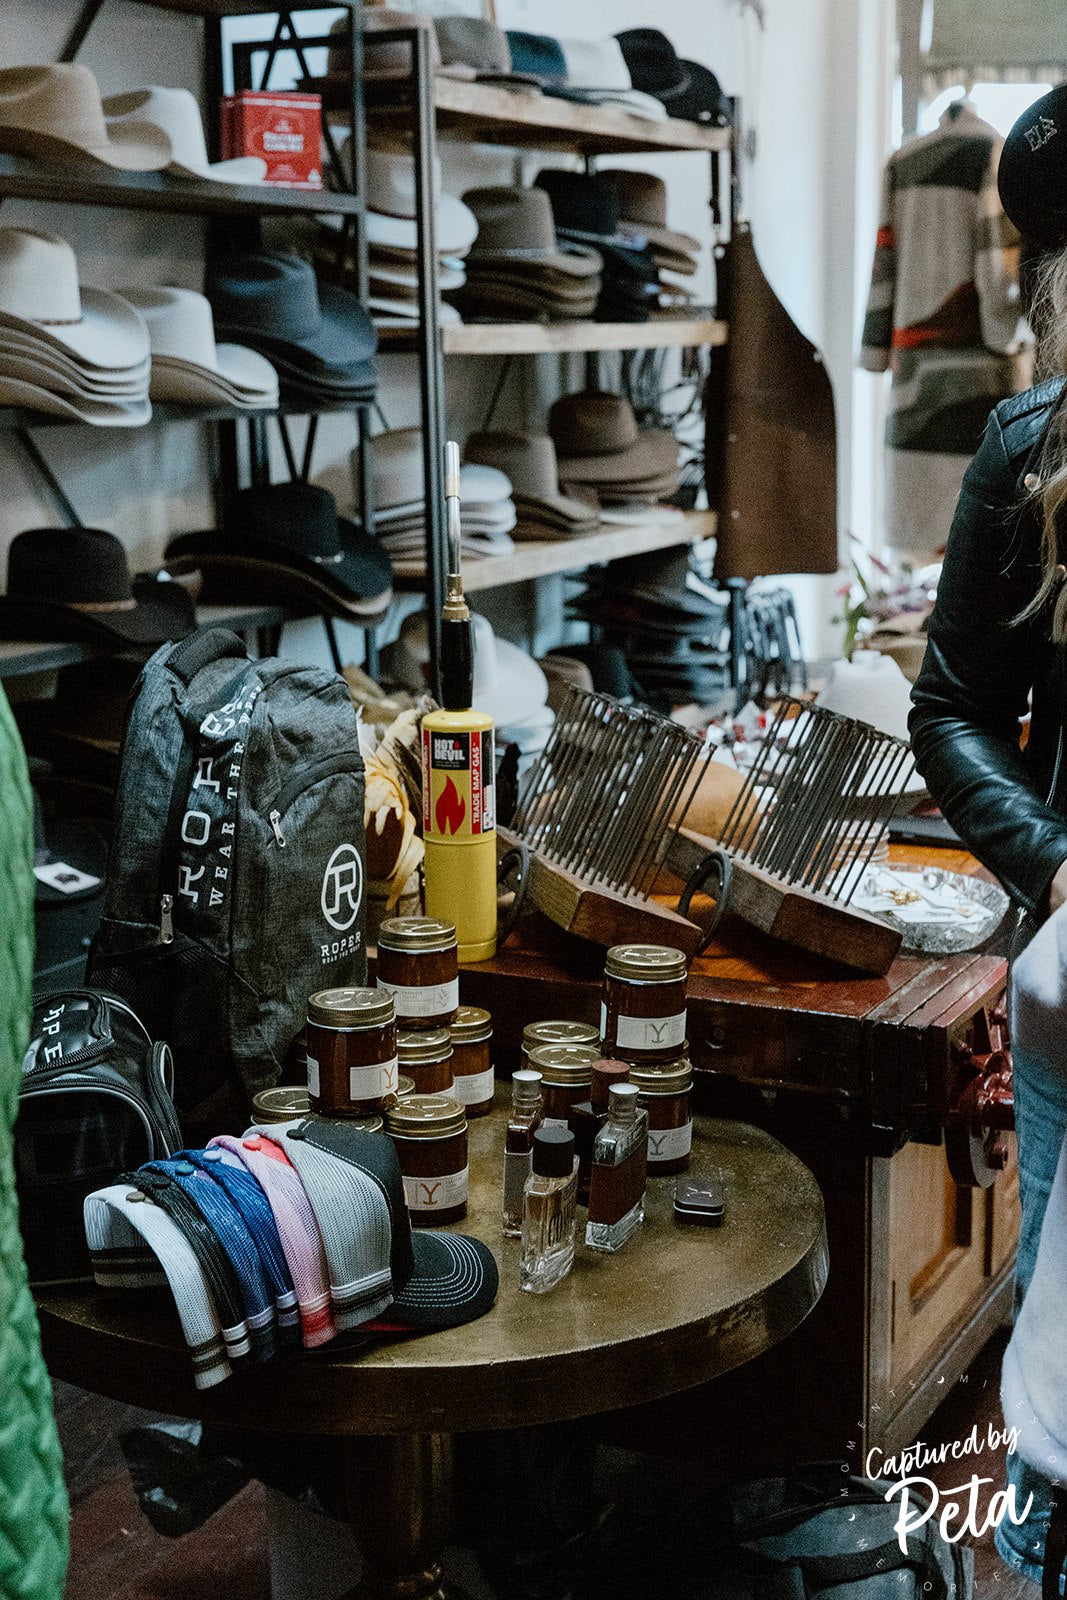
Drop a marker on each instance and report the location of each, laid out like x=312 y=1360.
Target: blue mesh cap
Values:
x=248 y=1198
x=440 y=1280
x=229 y=1228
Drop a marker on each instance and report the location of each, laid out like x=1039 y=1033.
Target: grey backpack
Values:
x=235 y=882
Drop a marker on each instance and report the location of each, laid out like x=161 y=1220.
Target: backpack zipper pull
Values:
x=275 y=818
x=166 y=919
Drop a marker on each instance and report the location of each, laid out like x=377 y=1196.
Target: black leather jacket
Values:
x=981 y=666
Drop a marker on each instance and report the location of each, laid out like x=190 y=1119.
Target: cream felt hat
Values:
x=56 y=112
x=102 y=413
x=40 y=296
x=187 y=364
x=176 y=114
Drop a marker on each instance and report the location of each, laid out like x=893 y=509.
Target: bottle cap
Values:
x=645 y=963
x=425 y=1116
x=671 y=1077
x=351 y=1008
x=423 y=1049
x=416 y=934
x=605 y=1073
x=552 y=1032
x=622 y=1100
x=564 y=1063
x=553 y=1152
x=280 y=1105
x=526 y=1085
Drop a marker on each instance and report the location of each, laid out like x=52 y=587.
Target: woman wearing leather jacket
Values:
x=998 y=646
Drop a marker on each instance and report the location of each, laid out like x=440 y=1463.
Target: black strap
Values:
x=200 y=649
x=1055 y=1547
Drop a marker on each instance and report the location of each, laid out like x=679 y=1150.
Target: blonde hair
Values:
x=1048 y=316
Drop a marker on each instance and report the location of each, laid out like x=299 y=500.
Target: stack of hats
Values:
x=476 y=48
x=487 y=512
x=392 y=234
x=66 y=350
x=55 y=113
x=285 y=544
x=188 y=366
x=293 y=1234
x=528 y=460
x=589 y=71
x=686 y=89
x=585 y=209
x=518 y=270
x=641 y=208
x=605 y=459
x=671 y=627
x=318 y=337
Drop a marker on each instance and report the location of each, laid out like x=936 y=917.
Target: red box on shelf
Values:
x=282 y=127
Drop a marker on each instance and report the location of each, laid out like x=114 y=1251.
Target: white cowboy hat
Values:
x=102 y=413
x=47 y=359
x=40 y=296
x=508 y=684
x=176 y=114
x=187 y=364
x=28 y=369
x=385 y=272
x=391 y=205
x=56 y=112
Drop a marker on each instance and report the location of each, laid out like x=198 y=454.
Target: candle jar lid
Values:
x=470 y=1025
x=416 y=934
x=669 y=1077
x=564 y=1063
x=281 y=1105
x=536 y=1034
x=404 y=1087
x=351 y=1008
x=426 y=1116
x=423 y=1049
x=645 y=963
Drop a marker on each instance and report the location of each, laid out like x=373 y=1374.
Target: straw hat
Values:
x=56 y=112
x=176 y=114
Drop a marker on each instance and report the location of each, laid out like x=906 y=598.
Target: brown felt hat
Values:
x=598 y=441
x=516 y=224
x=642 y=201
x=529 y=461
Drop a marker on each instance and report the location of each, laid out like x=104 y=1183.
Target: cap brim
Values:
x=455 y=1280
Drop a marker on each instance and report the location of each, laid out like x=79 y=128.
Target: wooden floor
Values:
x=116 y=1555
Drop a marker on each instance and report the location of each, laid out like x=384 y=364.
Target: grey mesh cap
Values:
x=439 y=1279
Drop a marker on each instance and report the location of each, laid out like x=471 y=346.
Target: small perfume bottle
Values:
x=586 y=1118
x=549 y=1209
x=525 y=1119
x=617 y=1175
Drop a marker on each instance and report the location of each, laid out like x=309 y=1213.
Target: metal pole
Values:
x=33 y=454
x=431 y=368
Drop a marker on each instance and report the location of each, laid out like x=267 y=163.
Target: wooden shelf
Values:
x=164 y=411
x=21 y=656
x=22 y=178
x=534 y=338
x=483 y=113
x=538 y=560
x=237 y=8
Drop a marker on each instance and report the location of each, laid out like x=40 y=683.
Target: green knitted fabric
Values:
x=33 y=1501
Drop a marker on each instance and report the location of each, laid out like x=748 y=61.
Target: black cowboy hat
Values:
x=74 y=583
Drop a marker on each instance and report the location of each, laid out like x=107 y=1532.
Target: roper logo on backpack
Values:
x=342 y=887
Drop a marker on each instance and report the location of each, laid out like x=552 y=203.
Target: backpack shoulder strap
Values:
x=200 y=649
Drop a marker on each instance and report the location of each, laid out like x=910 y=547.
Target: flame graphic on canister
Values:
x=450 y=810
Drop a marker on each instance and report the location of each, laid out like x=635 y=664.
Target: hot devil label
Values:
x=457 y=784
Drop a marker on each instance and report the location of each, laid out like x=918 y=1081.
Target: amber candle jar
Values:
x=427 y=1059
x=418 y=964
x=430 y=1134
x=642 y=1014
x=664 y=1093
x=566 y=1077
x=472 y=1065
x=536 y=1034
x=351 y=1052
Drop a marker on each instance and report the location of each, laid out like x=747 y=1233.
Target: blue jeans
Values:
x=1041 y=1124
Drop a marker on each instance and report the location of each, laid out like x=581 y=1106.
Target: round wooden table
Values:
x=678 y=1306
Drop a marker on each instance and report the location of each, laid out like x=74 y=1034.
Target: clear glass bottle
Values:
x=523 y=1123
x=549 y=1211
x=618 y=1172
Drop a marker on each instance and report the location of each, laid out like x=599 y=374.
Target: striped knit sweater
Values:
x=943 y=317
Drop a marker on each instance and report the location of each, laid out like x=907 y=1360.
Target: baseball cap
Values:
x=1032 y=175
x=437 y=1279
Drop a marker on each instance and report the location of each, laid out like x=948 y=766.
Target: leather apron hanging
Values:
x=770 y=437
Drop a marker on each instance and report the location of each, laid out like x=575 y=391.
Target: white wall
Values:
x=816 y=81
